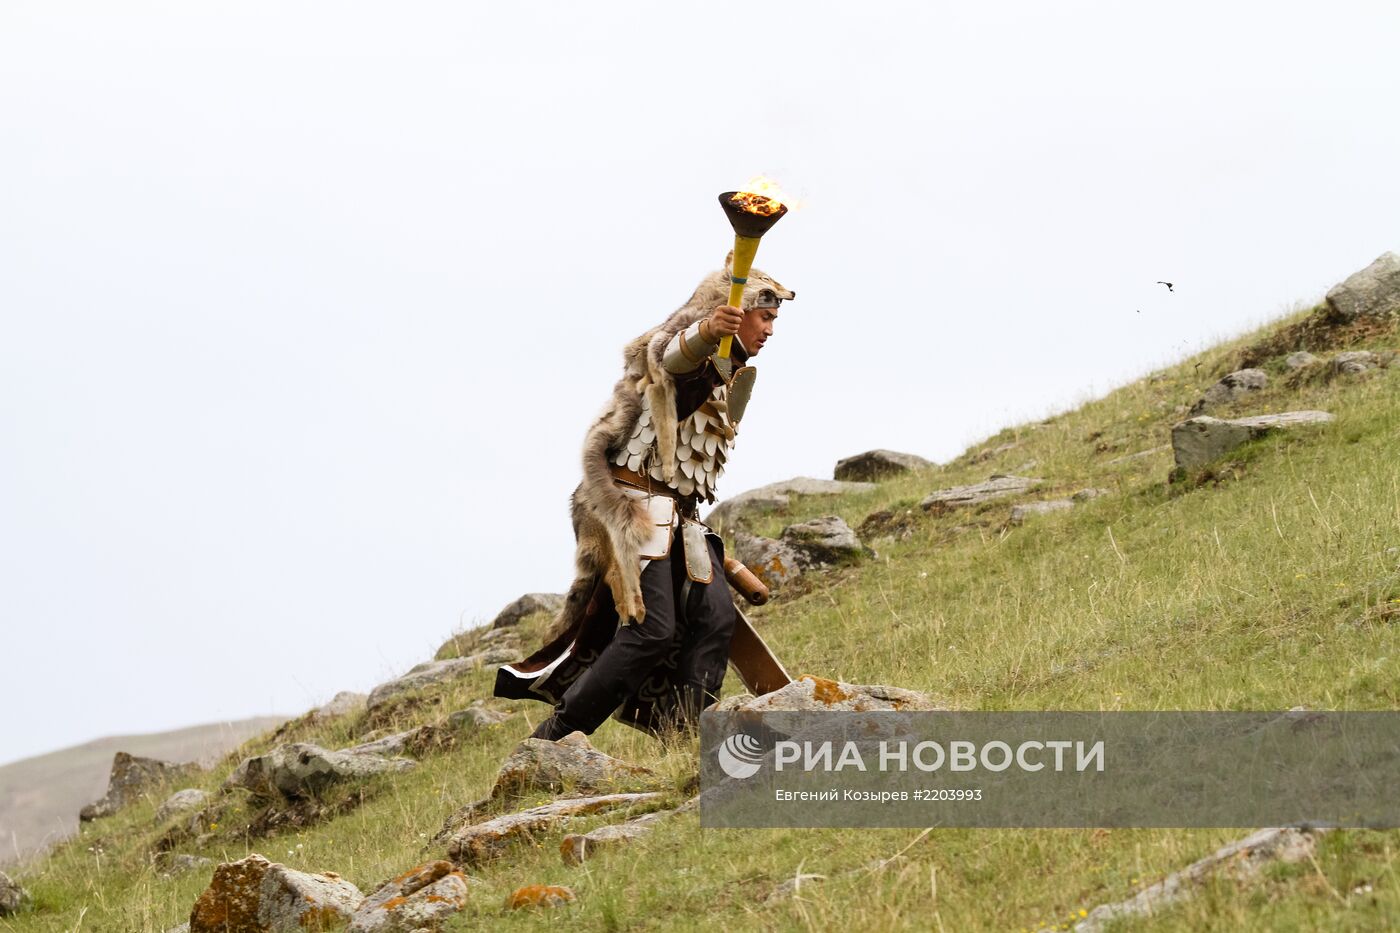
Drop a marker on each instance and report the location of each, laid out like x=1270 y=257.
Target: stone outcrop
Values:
x=810 y=692
x=825 y=540
x=526 y=605
x=183 y=801
x=344 y=703
x=1230 y=388
x=1200 y=440
x=474 y=640
x=772 y=561
x=875 y=465
x=1241 y=860
x=435 y=672
x=570 y=764
x=539 y=895
x=732 y=512
x=12 y=896
x=1358 y=361
x=1019 y=513
x=254 y=895
x=1300 y=360
x=422 y=897
x=482 y=842
x=998 y=486
x=576 y=848
x=301 y=770
x=476 y=716
x=1372 y=292
x=131 y=777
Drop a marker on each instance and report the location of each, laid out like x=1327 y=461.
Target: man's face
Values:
x=757 y=328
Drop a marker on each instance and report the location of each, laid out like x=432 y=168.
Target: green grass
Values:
x=1267 y=582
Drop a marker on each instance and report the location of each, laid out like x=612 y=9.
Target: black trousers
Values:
x=698 y=631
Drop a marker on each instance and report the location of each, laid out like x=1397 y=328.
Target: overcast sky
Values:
x=306 y=306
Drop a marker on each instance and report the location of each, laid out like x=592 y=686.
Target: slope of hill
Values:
x=1263 y=580
x=40 y=797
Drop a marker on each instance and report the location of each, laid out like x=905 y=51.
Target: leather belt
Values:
x=654 y=487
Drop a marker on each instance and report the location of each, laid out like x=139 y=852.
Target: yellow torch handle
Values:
x=745 y=248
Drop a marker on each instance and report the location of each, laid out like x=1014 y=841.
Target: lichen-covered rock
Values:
x=1355 y=361
x=732 y=512
x=423 y=896
x=304 y=770
x=131 y=777
x=996 y=487
x=1371 y=292
x=231 y=900
x=1198 y=441
x=344 y=703
x=1019 y=513
x=773 y=562
x=182 y=801
x=1300 y=360
x=570 y=764
x=291 y=900
x=539 y=895
x=875 y=465
x=810 y=692
x=12 y=896
x=430 y=737
x=481 y=842
x=576 y=848
x=825 y=540
x=423 y=675
x=1231 y=387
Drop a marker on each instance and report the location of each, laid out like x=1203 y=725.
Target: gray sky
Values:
x=306 y=306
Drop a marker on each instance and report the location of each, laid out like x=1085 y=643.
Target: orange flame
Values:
x=761 y=196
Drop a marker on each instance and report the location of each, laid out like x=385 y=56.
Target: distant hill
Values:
x=40 y=797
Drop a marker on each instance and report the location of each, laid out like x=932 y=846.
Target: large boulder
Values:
x=571 y=764
x=302 y=770
x=422 y=897
x=825 y=540
x=183 y=801
x=254 y=895
x=131 y=777
x=958 y=497
x=733 y=512
x=12 y=896
x=875 y=465
x=1200 y=440
x=1231 y=387
x=1372 y=292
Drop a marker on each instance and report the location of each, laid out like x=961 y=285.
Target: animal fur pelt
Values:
x=609 y=526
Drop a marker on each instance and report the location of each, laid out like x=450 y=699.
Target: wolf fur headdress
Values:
x=611 y=527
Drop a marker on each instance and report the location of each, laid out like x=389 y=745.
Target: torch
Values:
x=751 y=215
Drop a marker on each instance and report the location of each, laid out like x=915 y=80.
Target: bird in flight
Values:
x=1168 y=284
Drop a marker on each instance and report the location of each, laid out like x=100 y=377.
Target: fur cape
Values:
x=611 y=527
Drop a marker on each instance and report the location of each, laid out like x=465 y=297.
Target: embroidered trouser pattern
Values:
x=699 y=632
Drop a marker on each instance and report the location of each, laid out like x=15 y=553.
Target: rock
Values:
x=1356 y=361
x=179 y=863
x=1372 y=292
x=182 y=928
x=436 y=672
x=1084 y=495
x=874 y=465
x=231 y=900
x=182 y=801
x=576 y=848
x=825 y=540
x=12 y=896
x=997 y=486
x=1240 y=860
x=344 y=703
x=1200 y=440
x=539 y=895
x=132 y=776
x=526 y=605
x=773 y=562
x=570 y=764
x=810 y=692
x=1020 y=513
x=481 y=842
x=304 y=770
x=731 y=513
x=1232 y=387
x=421 y=897
x=1300 y=360
x=296 y=901
x=476 y=717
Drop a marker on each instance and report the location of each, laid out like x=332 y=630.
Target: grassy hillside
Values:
x=1265 y=582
